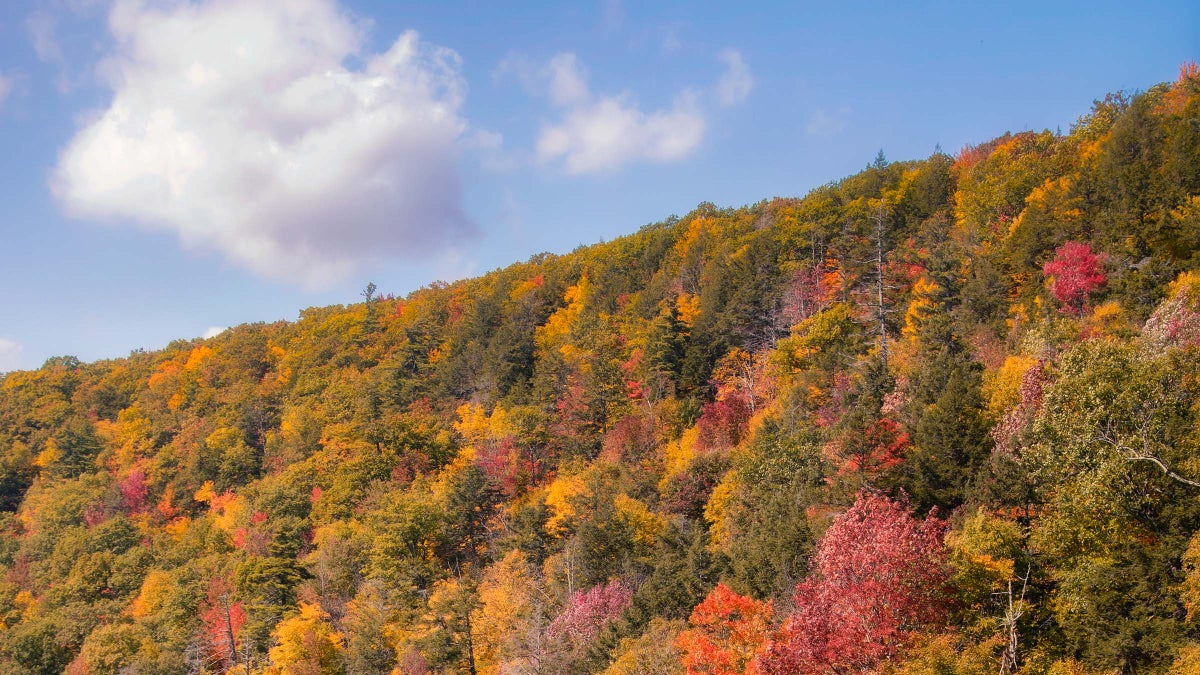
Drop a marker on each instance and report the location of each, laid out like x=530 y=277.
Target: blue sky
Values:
x=170 y=168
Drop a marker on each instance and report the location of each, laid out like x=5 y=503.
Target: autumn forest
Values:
x=940 y=416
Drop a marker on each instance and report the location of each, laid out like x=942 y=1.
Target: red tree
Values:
x=1077 y=272
x=726 y=631
x=879 y=575
x=223 y=619
x=722 y=423
x=878 y=446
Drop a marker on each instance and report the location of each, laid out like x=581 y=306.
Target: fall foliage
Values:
x=936 y=416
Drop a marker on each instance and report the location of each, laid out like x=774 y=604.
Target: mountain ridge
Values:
x=937 y=415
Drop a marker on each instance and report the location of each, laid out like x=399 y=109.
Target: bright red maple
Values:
x=879 y=575
x=726 y=631
x=1077 y=272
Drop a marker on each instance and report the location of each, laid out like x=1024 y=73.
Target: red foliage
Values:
x=501 y=462
x=630 y=439
x=133 y=491
x=879 y=576
x=222 y=618
x=253 y=540
x=1077 y=272
x=806 y=294
x=877 y=447
x=573 y=426
x=726 y=631
x=588 y=612
x=722 y=424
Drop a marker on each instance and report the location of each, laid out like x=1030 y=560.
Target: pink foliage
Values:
x=1008 y=432
x=134 y=490
x=1077 y=272
x=879 y=575
x=588 y=612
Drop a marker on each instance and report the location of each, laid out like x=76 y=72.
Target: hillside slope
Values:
x=939 y=416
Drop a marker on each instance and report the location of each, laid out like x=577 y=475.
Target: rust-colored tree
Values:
x=879 y=576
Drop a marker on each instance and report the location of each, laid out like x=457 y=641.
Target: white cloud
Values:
x=823 y=123
x=736 y=82
x=213 y=331
x=568 y=81
x=597 y=134
x=10 y=355
x=6 y=86
x=610 y=132
x=240 y=127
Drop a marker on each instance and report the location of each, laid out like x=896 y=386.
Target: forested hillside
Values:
x=940 y=416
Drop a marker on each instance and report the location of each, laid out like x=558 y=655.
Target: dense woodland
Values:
x=937 y=417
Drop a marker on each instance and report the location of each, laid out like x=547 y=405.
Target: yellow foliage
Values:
x=530 y=284
x=150 y=599
x=647 y=526
x=556 y=332
x=678 y=454
x=224 y=439
x=1186 y=285
x=506 y=595
x=178 y=527
x=198 y=357
x=688 y=307
x=1002 y=387
x=949 y=654
x=478 y=427
x=983 y=554
x=717 y=508
x=205 y=494
x=26 y=604
x=1107 y=319
x=230 y=512
x=924 y=304
x=1190 y=588
x=305 y=643
x=561 y=496
x=651 y=653
x=48 y=456
x=1187 y=662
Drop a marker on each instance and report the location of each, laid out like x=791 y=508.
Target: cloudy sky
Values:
x=174 y=167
